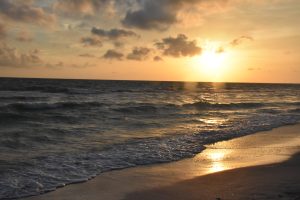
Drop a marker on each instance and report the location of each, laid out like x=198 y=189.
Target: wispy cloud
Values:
x=113 y=55
x=11 y=57
x=240 y=40
x=2 y=31
x=24 y=36
x=83 y=7
x=91 y=42
x=87 y=55
x=25 y=12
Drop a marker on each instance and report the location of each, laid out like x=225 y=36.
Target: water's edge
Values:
x=212 y=142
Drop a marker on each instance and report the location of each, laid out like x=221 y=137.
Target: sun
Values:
x=212 y=61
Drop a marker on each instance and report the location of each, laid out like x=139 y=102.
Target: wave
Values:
x=49 y=106
x=137 y=109
x=22 y=98
x=8 y=116
x=144 y=108
x=297 y=110
x=201 y=105
x=52 y=171
x=208 y=105
x=45 y=88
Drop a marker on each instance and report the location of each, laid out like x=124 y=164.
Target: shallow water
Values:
x=55 y=132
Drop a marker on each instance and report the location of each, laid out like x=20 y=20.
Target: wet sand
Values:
x=273 y=181
x=264 y=165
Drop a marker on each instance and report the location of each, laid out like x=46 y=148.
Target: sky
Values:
x=168 y=40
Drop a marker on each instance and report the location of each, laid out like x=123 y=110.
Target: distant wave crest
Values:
x=49 y=106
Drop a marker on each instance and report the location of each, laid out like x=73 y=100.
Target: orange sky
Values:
x=183 y=40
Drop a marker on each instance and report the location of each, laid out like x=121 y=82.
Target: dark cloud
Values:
x=157 y=58
x=161 y=14
x=24 y=36
x=113 y=55
x=178 y=46
x=25 y=12
x=87 y=55
x=11 y=57
x=91 y=42
x=139 y=53
x=113 y=34
x=153 y=15
x=240 y=40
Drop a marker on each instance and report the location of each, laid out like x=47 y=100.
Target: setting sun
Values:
x=212 y=61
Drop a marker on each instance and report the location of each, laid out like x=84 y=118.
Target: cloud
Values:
x=24 y=36
x=84 y=7
x=157 y=58
x=82 y=65
x=113 y=34
x=113 y=55
x=253 y=68
x=139 y=53
x=58 y=65
x=161 y=14
x=118 y=44
x=61 y=64
x=91 y=42
x=240 y=40
x=2 y=31
x=87 y=55
x=76 y=25
x=178 y=46
x=11 y=57
x=152 y=15
x=232 y=44
x=25 y=12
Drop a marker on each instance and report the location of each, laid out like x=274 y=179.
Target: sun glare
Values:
x=211 y=62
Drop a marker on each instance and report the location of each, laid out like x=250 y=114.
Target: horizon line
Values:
x=139 y=80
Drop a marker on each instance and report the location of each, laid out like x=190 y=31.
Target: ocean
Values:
x=58 y=132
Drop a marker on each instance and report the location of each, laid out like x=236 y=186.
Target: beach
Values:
x=264 y=165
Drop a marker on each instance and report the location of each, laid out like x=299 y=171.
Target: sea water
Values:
x=57 y=132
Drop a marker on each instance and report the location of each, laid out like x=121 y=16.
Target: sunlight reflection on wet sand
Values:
x=216 y=159
x=247 y=151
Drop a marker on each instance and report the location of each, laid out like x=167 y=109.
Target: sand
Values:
x=264 y=165
x=274 y=181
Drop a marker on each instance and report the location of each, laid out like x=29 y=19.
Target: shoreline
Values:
x=272 y=181
x=262 y=148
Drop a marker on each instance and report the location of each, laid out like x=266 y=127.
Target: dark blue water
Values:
x=56 y=132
